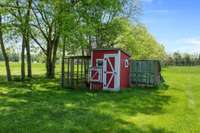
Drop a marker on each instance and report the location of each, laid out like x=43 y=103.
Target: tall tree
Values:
x=27 y=35
x=47 y=26
x=101 y=18
x=187 y=59
x=177 y=58
x=98 y=21
x=8 y=73
x=136 y=39
x=21 y=11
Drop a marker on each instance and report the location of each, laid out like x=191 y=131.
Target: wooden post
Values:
x=77 y=69
x=63 y=67
x=81 y=68
x=84 y=69
x=130 y=74
x=68 y=70
x=71 y=73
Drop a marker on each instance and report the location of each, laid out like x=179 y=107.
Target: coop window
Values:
x=99 y=62
x=126 y=63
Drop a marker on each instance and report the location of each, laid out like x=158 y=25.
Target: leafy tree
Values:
x=21 y=13
x=46 y=29
x=6 y=58
x=136 y=39
x=169 y=60
x=99 y=23
x=187 y=59
x=177 y=57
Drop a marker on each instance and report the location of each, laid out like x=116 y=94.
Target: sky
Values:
x=174 y=23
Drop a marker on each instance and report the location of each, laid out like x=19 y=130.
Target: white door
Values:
x=111 y=72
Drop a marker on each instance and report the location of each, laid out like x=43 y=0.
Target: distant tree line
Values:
x=178 y=59
x=13 y=54
x=37 y=56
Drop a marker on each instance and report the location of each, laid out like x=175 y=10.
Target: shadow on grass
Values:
x=42 y=105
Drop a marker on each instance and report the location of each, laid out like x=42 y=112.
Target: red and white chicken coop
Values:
x=109 y=69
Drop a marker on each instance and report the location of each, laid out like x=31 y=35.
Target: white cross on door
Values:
x=110 y=72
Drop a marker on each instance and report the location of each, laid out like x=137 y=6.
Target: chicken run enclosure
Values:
x=108 y=70
x=75 y=73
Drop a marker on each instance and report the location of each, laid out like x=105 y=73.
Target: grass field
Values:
x=40 y=105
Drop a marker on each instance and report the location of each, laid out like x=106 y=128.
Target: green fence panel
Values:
x=145 y=73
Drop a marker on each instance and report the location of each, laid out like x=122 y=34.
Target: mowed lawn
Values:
x=41 y=105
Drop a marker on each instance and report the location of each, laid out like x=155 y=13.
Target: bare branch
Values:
x=37 y=42
x=11 y=6
x=18 y=10
x=44 y=17
x=39 y=25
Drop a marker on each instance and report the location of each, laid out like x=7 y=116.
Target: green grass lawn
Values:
x=41 y=105
x=38 y=69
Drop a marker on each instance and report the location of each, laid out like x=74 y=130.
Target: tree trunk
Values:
x=63 y=66
x=52 y=47
x=55 y=48
x=89 y=47
x=49 y=60
x=83 y=51
x=8 y=73
x=49 y=69
x=29 y=68
x=22 y=59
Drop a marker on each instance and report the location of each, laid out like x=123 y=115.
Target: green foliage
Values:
x=93 y=22
x=78 y=24
x=136 y=39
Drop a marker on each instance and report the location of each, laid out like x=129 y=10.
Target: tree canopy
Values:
x=136 y=39
x=44 y=29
